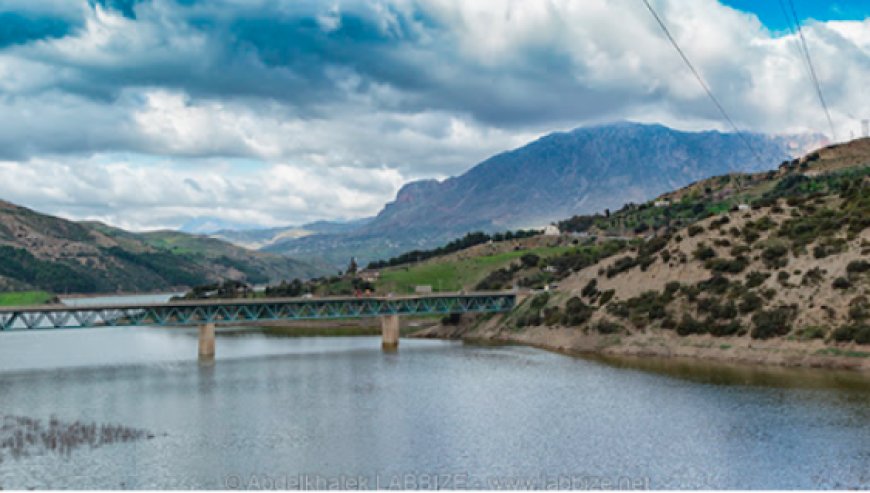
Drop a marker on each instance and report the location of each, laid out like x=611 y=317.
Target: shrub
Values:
x=619 y=309
x=653 y=245
x=689 y=325
x=750 y=302
x=771 y=323
x=750 y=235
x=813 y=277
x=672 y=287
x=859 y=308
x=452 y=319
x=857 y=267
x=691 y=292
x=724 y=311
x=496 y=280
x=842 y=283
x=774 y=256
x=718 y=223
x=716 y=284
x=552 y=316
x=606 y=296
x=591 y=289
x=621 y=265
x=703 y=252
x=728 y=266
x=723 y=330
x=695 y=229
x=764 y=223
x=843 y=333
x=530 y=260
x=811 y=332
x=827 y=247
x=645 y=262
x=739 y=250
x=539 y=301
x=577 y=312
x=606 y=327
x=755 y=279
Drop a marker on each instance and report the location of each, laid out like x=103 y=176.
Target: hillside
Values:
x=42 y=252
x=585 y=170
x=785 y=281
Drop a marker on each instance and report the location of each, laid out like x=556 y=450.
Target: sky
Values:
x=150 y=114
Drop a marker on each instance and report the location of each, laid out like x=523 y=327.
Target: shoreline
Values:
x=661 y=346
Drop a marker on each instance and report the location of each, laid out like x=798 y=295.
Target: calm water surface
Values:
x=271 y=409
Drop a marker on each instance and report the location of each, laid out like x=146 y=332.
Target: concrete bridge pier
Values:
x=390 y=332
x=206 y=342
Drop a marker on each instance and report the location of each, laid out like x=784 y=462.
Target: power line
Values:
x=701 y=80
x=794 y=33
x=809 y=60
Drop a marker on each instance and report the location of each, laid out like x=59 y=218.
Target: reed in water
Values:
x=23 y=436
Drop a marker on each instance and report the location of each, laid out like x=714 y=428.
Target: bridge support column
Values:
x=206 y=342
x=390 y=332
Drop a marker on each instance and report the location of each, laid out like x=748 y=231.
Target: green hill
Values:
x=42 y=252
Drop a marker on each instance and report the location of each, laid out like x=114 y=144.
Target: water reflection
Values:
x=278 y=407
x=717 y=373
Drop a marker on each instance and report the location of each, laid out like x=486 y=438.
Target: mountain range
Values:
x=562 y=174
x=262 y=238
x=581 y=171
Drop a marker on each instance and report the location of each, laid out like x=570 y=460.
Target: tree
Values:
x=352 y=267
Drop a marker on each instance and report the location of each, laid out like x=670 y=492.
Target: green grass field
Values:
x=24 y=298
x=454 y=275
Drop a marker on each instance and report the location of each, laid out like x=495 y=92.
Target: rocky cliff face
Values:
x=584 y=170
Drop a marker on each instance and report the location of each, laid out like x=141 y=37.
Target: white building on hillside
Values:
x=551 y=230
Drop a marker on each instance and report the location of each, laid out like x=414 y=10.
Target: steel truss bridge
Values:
x=230 y=312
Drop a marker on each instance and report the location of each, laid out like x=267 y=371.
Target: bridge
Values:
x=208 y=313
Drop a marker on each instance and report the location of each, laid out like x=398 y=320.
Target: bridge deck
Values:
x=227 y=312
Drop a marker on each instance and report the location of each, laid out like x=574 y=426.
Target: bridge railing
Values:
x=228 y=312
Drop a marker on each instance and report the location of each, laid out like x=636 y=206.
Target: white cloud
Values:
x=162 y=195
x=279 y=113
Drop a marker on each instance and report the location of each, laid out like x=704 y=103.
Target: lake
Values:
x=308 y=412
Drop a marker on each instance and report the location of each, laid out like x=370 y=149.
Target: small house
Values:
x=551 y=230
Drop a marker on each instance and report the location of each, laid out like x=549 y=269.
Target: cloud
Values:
x=352 y=98
x=123 y=191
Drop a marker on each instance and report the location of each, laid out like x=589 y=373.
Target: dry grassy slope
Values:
x=810 y=298
x=818 y=303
